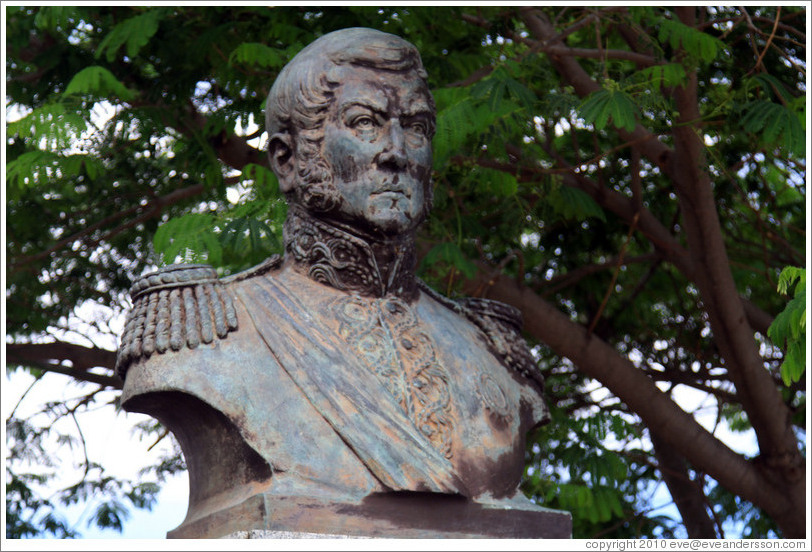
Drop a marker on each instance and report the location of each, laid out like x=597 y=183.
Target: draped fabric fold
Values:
x=348 y=396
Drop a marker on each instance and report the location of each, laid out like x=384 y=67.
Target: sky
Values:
x=111 y=443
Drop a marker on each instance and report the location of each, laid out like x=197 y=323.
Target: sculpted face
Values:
x=377 y=140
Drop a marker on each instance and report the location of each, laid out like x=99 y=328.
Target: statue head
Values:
x=350 y=121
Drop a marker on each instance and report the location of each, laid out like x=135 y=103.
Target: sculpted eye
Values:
x=363 y=122
x=419 y=128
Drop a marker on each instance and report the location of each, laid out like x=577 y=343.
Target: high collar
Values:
x=343 y=258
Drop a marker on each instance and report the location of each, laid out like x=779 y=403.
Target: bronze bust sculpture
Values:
x=330 y=390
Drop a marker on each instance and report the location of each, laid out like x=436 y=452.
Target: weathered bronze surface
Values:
x=330 y=391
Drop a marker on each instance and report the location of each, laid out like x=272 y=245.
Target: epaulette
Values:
x=176 y=307
x=501 y=326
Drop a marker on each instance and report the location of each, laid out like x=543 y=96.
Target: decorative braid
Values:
x=180 y=306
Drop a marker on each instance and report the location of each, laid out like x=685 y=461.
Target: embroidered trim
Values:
x=389 y=339
x=494 y=398
x=175 y=307
x=335 y=257
x=501 y=327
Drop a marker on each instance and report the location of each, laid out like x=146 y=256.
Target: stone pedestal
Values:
x=385 y=515
x=256 y=534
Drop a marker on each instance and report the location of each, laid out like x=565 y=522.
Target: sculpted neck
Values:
x=346 y=259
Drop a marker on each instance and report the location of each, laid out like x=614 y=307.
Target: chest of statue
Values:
x=432 y=371
x=341 y=396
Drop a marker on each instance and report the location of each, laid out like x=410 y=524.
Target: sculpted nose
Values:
x=393 y=154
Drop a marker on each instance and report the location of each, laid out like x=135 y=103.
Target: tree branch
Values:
x=231 y=149
x=623 y=207
x=554 y=46
x=561 y=281
x=759 y=396
x=568 y=67
x=106 y=381
x=49 y=356
x=598 y=360
x=769 y=41
x=83 y=358
x=152 y=209
x=687 y=494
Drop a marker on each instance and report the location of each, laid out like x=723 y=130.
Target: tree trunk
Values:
x=688 y=495
x=776 y=481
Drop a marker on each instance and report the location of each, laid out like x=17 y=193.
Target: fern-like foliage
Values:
x=609 y=104
x=34 y=167
x=776 y=124
x=698 y=45
x=188 y=238
x=54 y=125
x=258 y=55
x=99 y=82
x=133 y=34
x=788 y=330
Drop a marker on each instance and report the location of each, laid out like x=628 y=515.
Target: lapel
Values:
x=345 y=393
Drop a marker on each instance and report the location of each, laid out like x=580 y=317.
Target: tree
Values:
x=632 y=178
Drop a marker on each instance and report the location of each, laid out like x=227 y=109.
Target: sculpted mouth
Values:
x=394 y=188
x=403 y=193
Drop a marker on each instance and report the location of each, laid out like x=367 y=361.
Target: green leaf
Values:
x=697 y=44
x=110 y=515
x=602 y=503
x=57 y=18
x=53 y=122
x=794 y=365
x=772 y=86
x=257 y=54
x=604 y=105
x=572 y=203
x=499 y=87
x=593 y=107
x=133 y=33
x=523 y=95
x=26 y=169
x=792 y=275
x=453 y=126
x=144 y=495
x=624 y=111
x=264 y=180
x=451 y=254
x=786 y=325
x=670 y=74
x=190 y=237
x=785 y=191
x=497 y=182
x=98 y=81
x=37 y=167
x=249 y=237
x=788 y=330
x=777 y=124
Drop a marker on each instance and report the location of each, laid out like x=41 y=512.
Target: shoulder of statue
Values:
x=501 y=327
x=174 y=308
x=272 y=263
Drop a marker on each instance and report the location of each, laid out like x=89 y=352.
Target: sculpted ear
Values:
x=283 y=160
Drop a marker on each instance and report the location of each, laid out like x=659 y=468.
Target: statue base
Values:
x=256 y=534
x=387 y=515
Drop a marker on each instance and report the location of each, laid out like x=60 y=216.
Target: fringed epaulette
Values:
x=180 y=306
x=501 y=325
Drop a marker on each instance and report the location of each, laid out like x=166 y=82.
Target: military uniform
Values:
x=312 y=378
